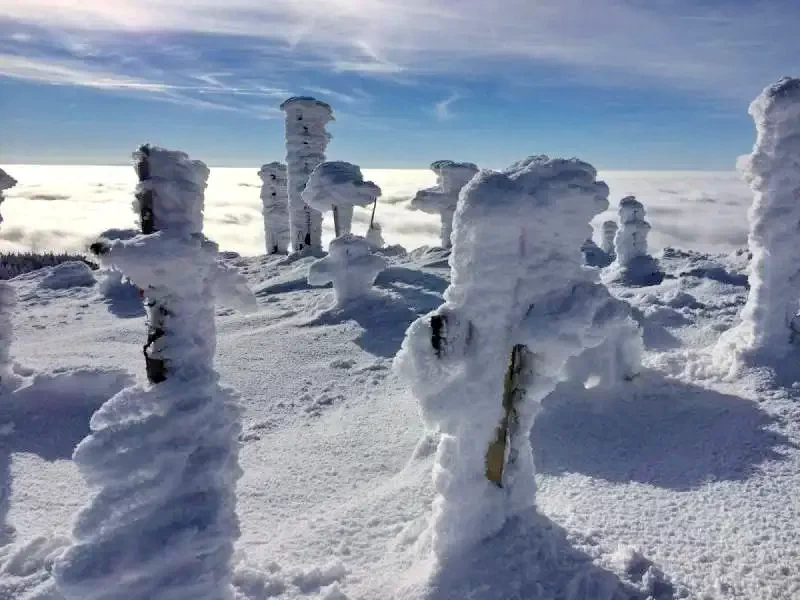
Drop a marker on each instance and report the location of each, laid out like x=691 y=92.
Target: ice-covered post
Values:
x=8 y=300
x=633 y=265
x=350 y=266
x=275 y=207
x=519 y=306
x=306 y=141
x=161 y=459
x=770 y=324
x=609 y=233
x=441 y=199
x=339 y=186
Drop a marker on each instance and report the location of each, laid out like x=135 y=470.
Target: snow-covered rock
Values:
x=275 y=207
x=441 y=199
x=632 y=264
x=593 y=256
x=161 y=459
x=306 y=141
x=68 y=275
x=350 y=266
x=517 y=282
x=339 y=186
x=770 y=323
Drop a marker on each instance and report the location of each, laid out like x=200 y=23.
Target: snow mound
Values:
x=350 y=266
x=68 y=275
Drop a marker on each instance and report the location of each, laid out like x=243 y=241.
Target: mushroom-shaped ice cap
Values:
x=631 y=210
x=302 y=105
x=430 y=200
x=456 y=175
x=6 y=181
x=338 y=183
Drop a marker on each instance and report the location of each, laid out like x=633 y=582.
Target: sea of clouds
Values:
x=65 y=207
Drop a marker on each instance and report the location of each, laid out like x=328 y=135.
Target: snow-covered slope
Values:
x=673 y=485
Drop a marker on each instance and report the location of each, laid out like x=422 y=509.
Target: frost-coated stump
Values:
x=161 y=459
x=306 y=141
x=350 y=266
x=519 y=306
x=770 y=325
x=632 y=264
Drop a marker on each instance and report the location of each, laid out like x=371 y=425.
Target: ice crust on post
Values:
x=441 y=199
x=350 y=266
x=161 y=460
x=516 y=283
x=770 y=324
x=339 y=186
x=633 y=265
x=275 y=207
x=306 y=141
x=8 y=301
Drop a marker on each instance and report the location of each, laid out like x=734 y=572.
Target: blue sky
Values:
x=625 y=84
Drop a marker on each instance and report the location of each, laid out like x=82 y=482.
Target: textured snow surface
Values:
x=673 y=485
x=769 y=320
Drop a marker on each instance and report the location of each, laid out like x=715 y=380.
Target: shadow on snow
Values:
x=655 y=430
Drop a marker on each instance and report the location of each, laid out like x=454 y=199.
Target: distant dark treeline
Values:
x=18 y=263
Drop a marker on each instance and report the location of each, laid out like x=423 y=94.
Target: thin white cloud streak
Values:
x=728 y=52
x=442 y=109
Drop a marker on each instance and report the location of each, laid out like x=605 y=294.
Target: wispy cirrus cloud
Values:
x=442 y=108
x=720 y=49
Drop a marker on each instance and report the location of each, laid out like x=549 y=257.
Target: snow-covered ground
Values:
x=677 y=484
x=61 y=208
x=674 y=484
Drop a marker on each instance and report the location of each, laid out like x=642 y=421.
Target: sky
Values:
x=624 y=84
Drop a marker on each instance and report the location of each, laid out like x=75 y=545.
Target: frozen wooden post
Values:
x=498 y=454
x=155 y=365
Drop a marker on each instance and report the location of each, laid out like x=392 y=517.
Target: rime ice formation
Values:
x=8 y=300
x=770 y=323
x=609 y=233
x=375 y=235
x=350 y=266
x=516 y=283
x=275 y=207
x=633 y=265
x=339 y=186
x=306 y=140
x=441 y=199
x=161 y=459
x=593 y=256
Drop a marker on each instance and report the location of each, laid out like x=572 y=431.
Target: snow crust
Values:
x=161 y=460
x=633 y=264
x=350 y=266
x=339 y=184
x=275 y=207
x=306 y=141
x=451 y=177
x=516 y=278
x=769 y=321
